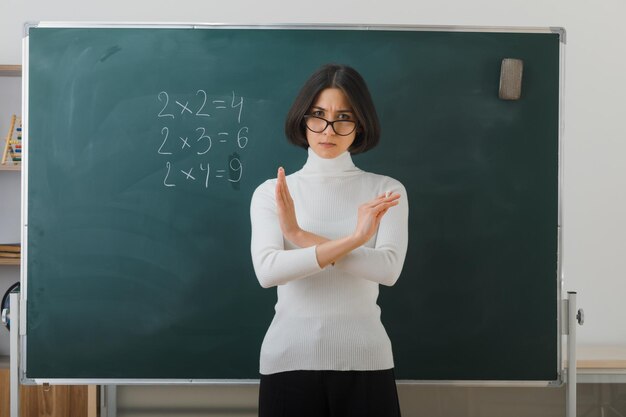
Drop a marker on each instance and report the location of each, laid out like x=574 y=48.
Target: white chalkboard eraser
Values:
x=511 y=79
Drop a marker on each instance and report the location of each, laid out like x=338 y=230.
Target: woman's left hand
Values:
x=286 y=208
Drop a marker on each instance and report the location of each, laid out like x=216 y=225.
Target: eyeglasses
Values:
x=318 y=125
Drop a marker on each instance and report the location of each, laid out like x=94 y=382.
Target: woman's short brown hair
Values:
x=348 y=80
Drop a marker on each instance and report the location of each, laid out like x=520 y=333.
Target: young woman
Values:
x=326 y=236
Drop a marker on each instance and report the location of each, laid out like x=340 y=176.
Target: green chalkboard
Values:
x=144 y=148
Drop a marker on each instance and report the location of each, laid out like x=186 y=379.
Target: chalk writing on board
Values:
x=206 y=138
x=199 y=130
x=163 y=96
x=235 y=167
x=242 y=140
x=188 y=174
x=169 y=168
x=199 y=112
x=165 y=132
x=185 y=142
x=239 y=104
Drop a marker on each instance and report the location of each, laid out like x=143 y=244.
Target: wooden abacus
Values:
x=13 y=145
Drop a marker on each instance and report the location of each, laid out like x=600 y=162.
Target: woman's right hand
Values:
x=285 y=207
x=370 y=215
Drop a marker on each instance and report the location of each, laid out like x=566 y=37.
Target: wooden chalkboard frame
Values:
x=24 y=273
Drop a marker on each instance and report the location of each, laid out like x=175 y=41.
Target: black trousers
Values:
x=329 y=394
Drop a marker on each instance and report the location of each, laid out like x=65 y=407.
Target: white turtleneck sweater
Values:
x=327 y=319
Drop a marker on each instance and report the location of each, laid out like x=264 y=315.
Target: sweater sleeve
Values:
x=273 y=264
x=383 y=263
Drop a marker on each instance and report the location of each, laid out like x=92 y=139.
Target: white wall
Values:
x=595 y=129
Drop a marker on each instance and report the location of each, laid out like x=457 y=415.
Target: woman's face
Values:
x=331 y=104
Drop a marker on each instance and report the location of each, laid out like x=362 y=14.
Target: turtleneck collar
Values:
x=339 y=166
